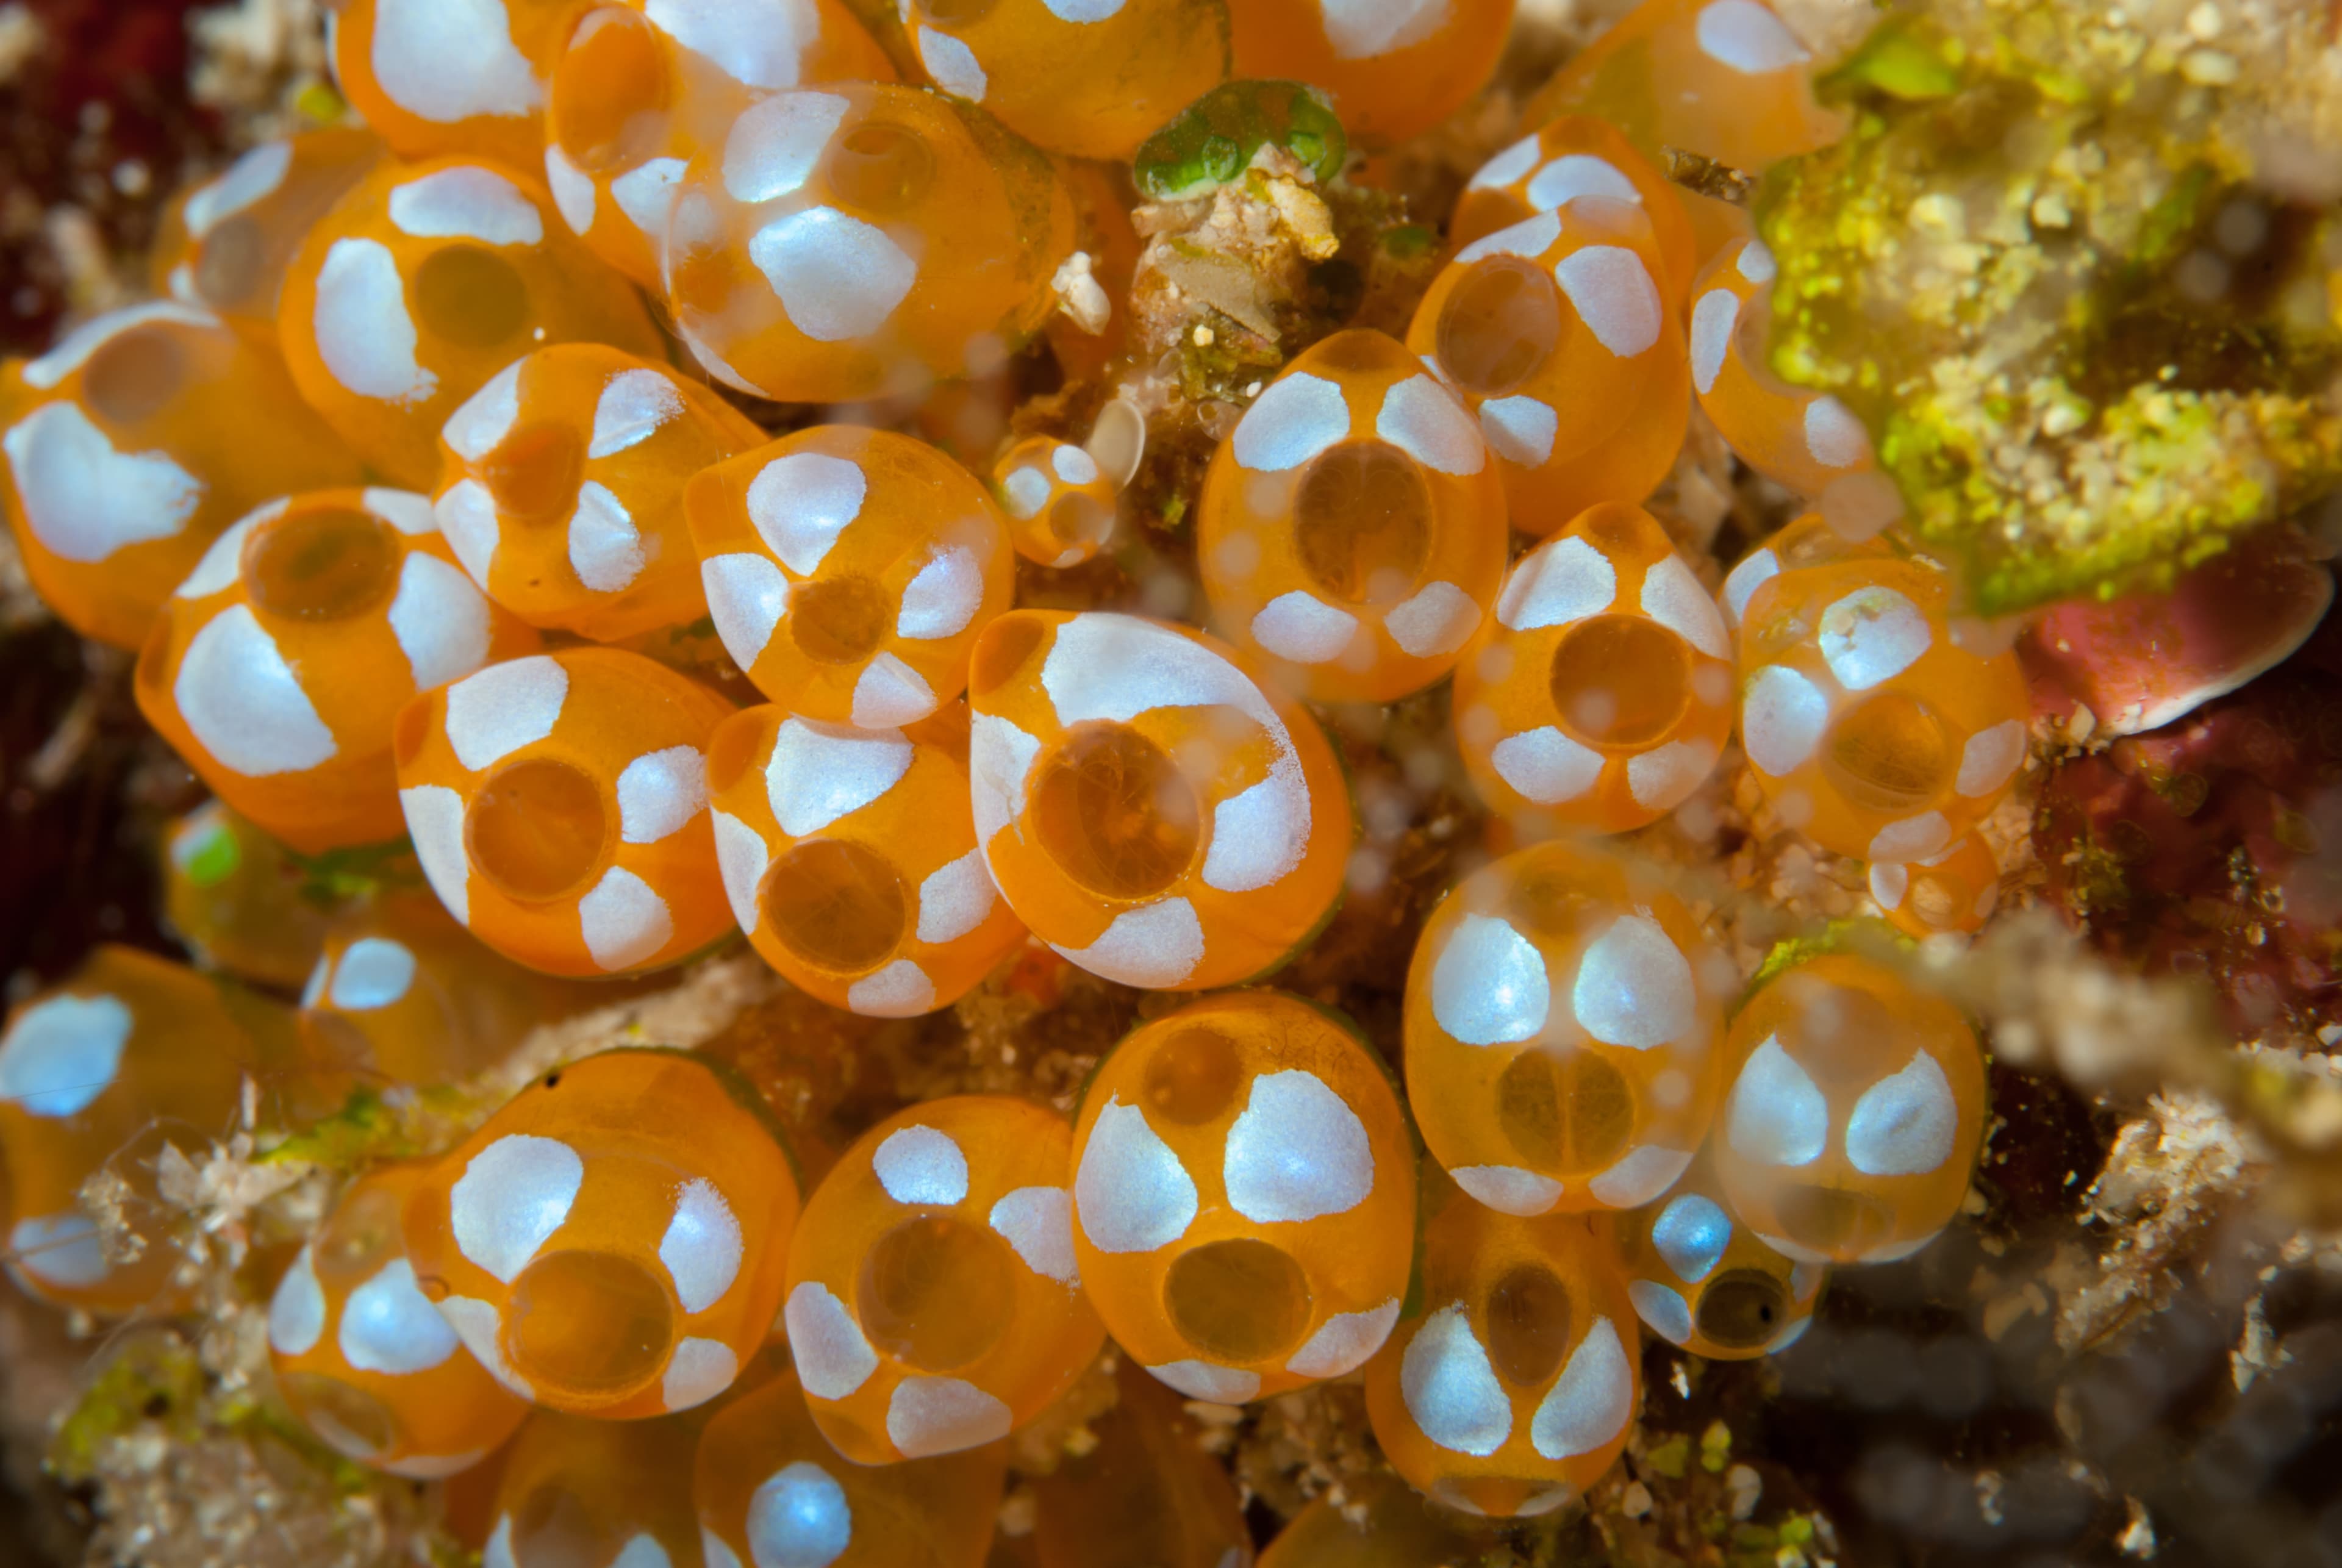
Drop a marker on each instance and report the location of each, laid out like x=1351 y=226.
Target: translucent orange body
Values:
x=1807 y=541
x=1394 y=70
x=1855 y=1107
x=1600 y=695
x=1562 y=1028
x=1061 y=505
x=642 y=88
x=559 y=807
x=850 y=569
x=237 y=233
x=1874 y=731
x=1722 y=78
x=1244 y=1196
x=425 y=281
x=934 y=1305
x=1557 y=335
x=1147 y=807
x=1562 y=161
x=1092 y=78
x=561 y=489
x=1351 y=531
x=770 y=1491
x=437 y=77
x=611 y=1242
x=1397 y=1531
x=1795 y=436
x=1701 y=1280
x=234 y=898
x=129 y=1053
x=576 y=1490
x=1148 y=1495
x=279 y=668
x=130 y=447
x=365 y=1360
x=850 y=860
x=1952 y=892
x=862 y=238
x=404 y=995
x=1513 y=1389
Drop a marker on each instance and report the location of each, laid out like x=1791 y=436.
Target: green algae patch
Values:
x=1214 y=141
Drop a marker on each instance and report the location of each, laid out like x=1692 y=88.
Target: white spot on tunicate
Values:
x=1913 y=838
x=1756 y=263
x=1588 y=1404
x=372 y=972
x=1545 y=765
x=1556 y=583
x=1904 y=1125
x=1117 y=667
x=440 y=620
x=643 y=1551
x=1747 y=37
x=1296 y=1151
x=774 y=147
x=741 y=859
x=362 y=331
x=1872 y=634
x=943 y=598
x=77 y=347
x=1451 y=1390
x=244 y=703
x=511 y=1198
x=435 y=821
x=1640 y=1177
x=1776 y=1114
x=756 y=45
x=1154 y=947
x=1027 y=491
x=1531 y=237
x=1796 y=1331
x=1259 y=834
x=1345 y=1342
x=1782 y=716
x=1742 y=582
x=1662 y=778
x=800 y=504
x=1690 y=1236
x=1423 y=419
x=1508 y=165
x=1508 y=1189
x=799 y=1518
x=1834 y=435
x=623 y=921
x=60 y=1249
x=901 y=990
x=1083 y=10
x=314 y=992
x=1203 y=1380
x=1363 y=29
x=83 y=498
x=499 y=1552
x=1633 y=986
x=831 y=1357
x=921 y=1165
x=606 y=548
x=572 y=190
x=1888 y=883
x=702 y=1248
x=1038 y=1224
x=468 y=201
x=1074 y=465
x=746 y=595
x=1674 y=598
x=296 y=1312
x=1488 y=986
x=478 y=1325
x=486 y=417
x=713 y=1553
x=1435 y=621
x=1663 y=1311
x=1299 y=416
x=1615 y=296
x=1302 y=627
x=713 y=363
x=951 y=65
x=931 y=1416
x=634 y=406
x=1990 y=756
x=698 y=1371
x=646 y=193
x=62 y=1053
x=891 y=693
x=1712 y=321
x=956 y=898
x=659 y=791
x=251 y=178
x=1575 y=174
x=451 y=60
x=1131 y=1193
x=1887 y=1253
x=838 y=277
x=1000 y=759
x=431 y=1467
x=505 y=707
x=1520 y=429
x=222 y=566
x=389 y=1326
